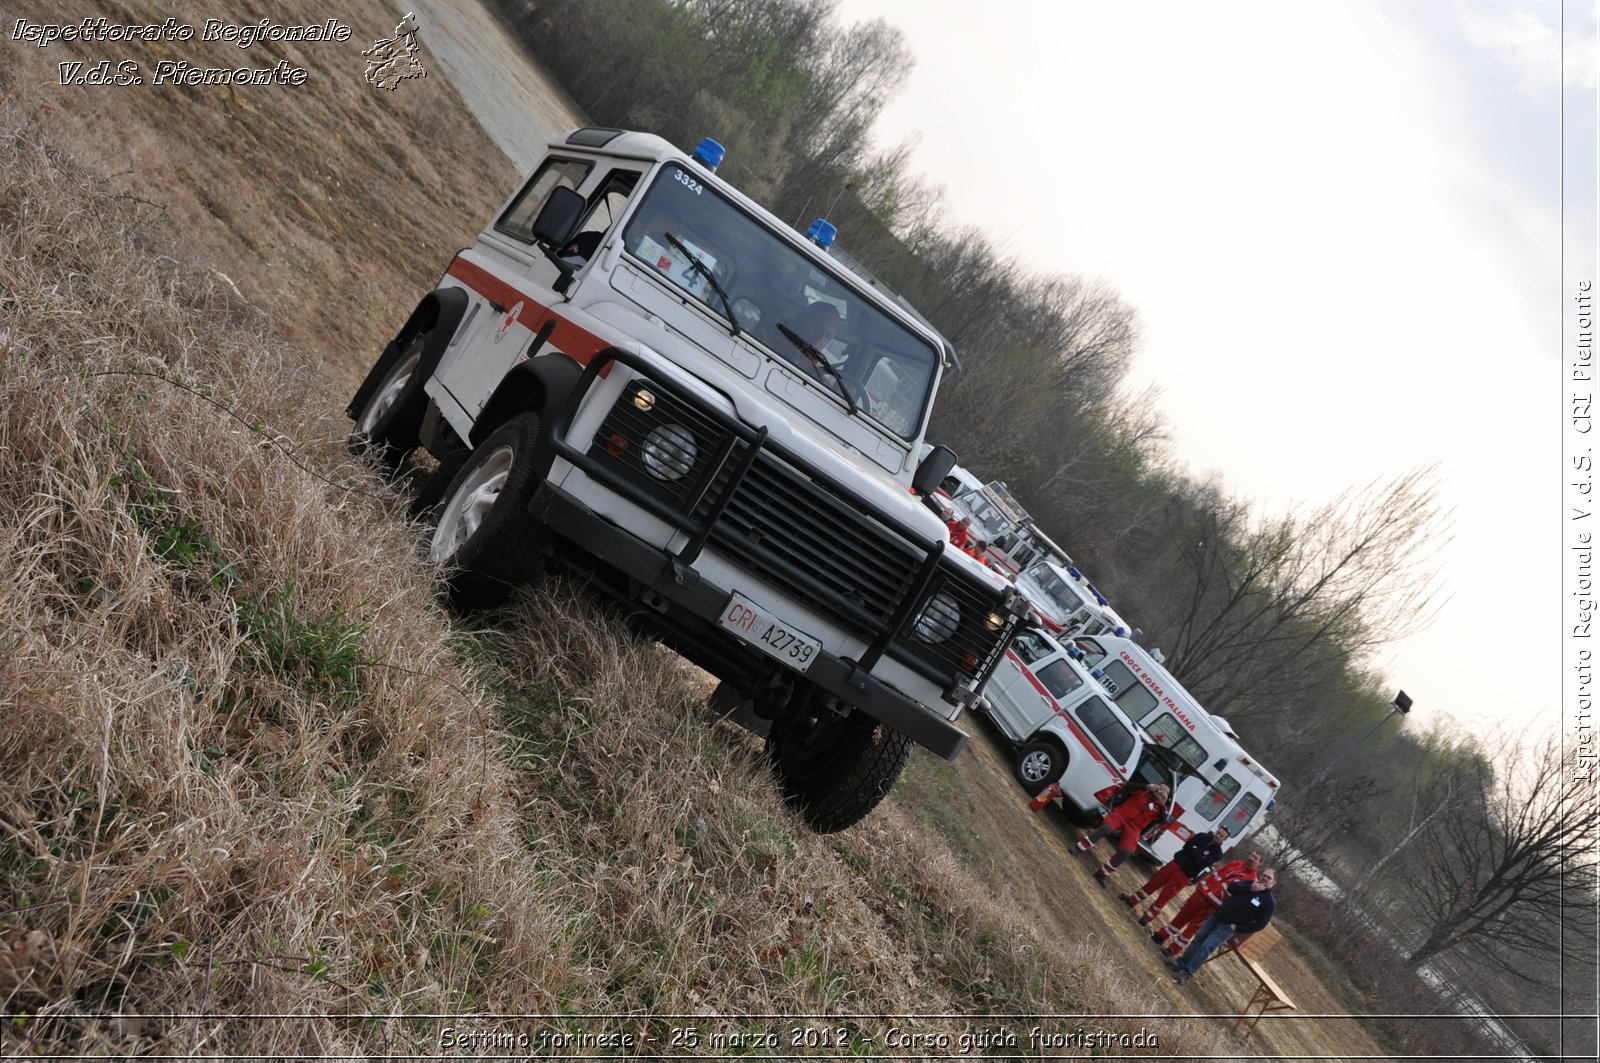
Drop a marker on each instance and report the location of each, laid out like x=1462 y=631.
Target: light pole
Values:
x=1400 y=706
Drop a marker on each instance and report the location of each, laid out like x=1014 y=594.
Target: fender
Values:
x=539 y=385
x=439 y=312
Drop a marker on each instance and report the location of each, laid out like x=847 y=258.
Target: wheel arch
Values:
x=438 y=313
x=1055 y=744
x=539 y=385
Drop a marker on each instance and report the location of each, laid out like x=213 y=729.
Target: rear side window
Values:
x=1059 y=678
x=1113 y=737
x=517 y=221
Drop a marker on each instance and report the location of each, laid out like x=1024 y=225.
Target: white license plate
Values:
x=768 y=633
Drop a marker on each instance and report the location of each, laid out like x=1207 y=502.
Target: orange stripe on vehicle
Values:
x=577 y=343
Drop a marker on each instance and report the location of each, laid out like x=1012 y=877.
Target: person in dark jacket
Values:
x=1249 y=908
x=1198 y=853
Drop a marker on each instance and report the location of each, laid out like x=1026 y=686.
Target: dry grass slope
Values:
x=251 y=769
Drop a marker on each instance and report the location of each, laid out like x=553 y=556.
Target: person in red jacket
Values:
x=960 y=533
x=1127 y=820
x=1211 y=891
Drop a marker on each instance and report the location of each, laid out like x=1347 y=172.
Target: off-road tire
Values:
x=388 y=423
x=1039 y=764
x=480 y=527
x=837 y=770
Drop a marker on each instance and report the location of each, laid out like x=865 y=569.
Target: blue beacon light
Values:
x=709 y=153
x=822 y=233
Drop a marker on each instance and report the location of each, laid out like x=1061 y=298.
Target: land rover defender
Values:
x=639 y=374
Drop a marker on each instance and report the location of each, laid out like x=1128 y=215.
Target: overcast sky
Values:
x=1341 y=223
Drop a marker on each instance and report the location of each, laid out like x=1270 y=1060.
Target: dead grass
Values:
x=329 y=205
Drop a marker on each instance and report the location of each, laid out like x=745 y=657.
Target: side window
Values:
x=1113 y=737
x=1165 y=730
x=517 y=221
x=1094 y=653
x=604 y=205
x=1133 y=697
x=1215 y=799
x=1059 y=678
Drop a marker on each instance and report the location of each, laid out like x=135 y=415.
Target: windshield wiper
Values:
x=812 y=351
x=716 y=286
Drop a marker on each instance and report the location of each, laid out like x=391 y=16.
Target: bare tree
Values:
x=1270 y=611
x=1515 y=851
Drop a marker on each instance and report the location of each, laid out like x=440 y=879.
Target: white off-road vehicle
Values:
x=638 y=373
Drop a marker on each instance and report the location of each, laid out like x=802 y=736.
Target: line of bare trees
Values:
x=1481 y=854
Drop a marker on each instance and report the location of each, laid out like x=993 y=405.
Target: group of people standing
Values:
x=1229 y=898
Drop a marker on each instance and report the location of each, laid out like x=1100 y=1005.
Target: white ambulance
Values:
x=1066 y=728
x=1221 y=784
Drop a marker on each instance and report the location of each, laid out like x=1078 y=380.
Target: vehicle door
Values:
x=1018 y=700
x=1107 y=735
x=1240 y=818
x=513 y=281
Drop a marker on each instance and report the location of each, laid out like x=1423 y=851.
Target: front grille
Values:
x=800 y=534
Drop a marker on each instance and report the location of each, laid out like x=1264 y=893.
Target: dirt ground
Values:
x=1029 y=852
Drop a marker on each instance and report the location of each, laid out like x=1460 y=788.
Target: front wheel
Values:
x=834 y=770
x=481 y=527
x=388 y=424
x=1038 y=765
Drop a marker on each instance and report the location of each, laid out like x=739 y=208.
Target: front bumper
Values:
x=696 y=603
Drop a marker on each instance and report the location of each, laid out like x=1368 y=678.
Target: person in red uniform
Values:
x=960 y=533
x=1198 y=853
x=1203 y=902
x=1126 y=820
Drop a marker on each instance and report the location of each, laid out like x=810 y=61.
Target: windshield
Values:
x=804 y=315
x=1058 y=588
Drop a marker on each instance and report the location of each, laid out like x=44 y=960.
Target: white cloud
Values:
x=1532 y=49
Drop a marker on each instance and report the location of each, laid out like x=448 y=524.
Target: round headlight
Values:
x=939 y=620
x=668 y=452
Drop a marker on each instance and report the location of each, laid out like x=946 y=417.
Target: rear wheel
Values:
x=835 y=770
x=387 y=425
x=1039 y=764
x=481 y=527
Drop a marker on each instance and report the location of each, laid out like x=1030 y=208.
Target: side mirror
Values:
x=558 y=218
x=934 y=468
